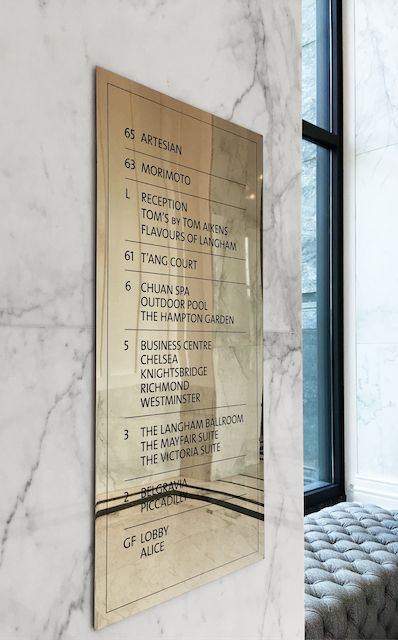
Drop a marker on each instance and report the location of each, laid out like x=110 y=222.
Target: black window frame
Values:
x=333 y=141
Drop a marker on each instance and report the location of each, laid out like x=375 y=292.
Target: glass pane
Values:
x=316 y=314
x=316 y=62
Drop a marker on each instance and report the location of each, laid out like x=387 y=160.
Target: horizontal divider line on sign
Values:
x=167 y=246
x=192 y=466
x=170 y=413
x=187 y=331
x=176 y=275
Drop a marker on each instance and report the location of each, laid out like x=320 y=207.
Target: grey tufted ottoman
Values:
x=351 y=572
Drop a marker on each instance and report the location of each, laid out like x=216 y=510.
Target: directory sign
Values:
x=179 y=489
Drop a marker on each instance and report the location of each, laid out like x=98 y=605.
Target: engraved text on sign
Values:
x=179 y=492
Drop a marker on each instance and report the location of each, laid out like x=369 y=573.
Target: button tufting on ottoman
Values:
x=351 y=573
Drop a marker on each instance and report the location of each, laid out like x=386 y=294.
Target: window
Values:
x=322 y=252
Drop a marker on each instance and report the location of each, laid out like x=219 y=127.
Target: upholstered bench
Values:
x=351 y=573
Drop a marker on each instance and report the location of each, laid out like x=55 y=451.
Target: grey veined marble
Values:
x=240 y=61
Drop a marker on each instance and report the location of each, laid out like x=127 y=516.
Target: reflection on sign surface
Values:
x=179 y=490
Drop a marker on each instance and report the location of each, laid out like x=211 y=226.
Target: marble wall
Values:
x=241 y=61
x=372 y=225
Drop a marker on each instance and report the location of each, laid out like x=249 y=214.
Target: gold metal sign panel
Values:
x=179 y=490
